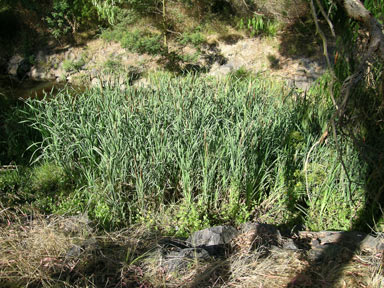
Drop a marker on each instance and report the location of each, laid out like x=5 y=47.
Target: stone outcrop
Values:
x=222 y=241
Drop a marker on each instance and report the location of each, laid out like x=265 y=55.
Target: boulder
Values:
x=23 y=69
x=215 y=239
x=179 y=260
x=263 y=233
x=349 y=239
x=13 y=64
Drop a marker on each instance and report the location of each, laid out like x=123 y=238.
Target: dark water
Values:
x=13 y=88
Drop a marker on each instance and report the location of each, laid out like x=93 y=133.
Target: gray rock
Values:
x=215 y=239
x=349 y=239
x=60 y=74
x=13 y=64
x=217 y=235
x=41 y=56
x=179 y=260
x=289 y=244
x=331 y=252
x=73 y=252
x=76 y=250
x=222 y=70
x=194 y=253
x=36 y=74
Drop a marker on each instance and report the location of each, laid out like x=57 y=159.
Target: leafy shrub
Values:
x=124 y=18
x=195 y=38
x=73 y=65
x=15 y=136
x=67 y=16
x=143 y=42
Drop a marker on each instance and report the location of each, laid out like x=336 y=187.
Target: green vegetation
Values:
x=73 y=65
x=219 y=150
x=177 y=152
x=203 y=151
x=259 y=25
x=196 y=38
x=143 y=42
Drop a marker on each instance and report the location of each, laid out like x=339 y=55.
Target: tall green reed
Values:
x=218 y=148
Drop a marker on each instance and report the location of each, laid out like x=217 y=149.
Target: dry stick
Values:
x=306 y=170
x=321 y=33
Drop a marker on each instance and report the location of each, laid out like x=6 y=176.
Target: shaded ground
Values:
x=43 y=251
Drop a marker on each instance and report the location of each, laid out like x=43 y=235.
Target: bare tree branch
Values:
x=325 y=15
x=356 y=10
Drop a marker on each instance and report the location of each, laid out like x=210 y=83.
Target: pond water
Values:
x=13 y=88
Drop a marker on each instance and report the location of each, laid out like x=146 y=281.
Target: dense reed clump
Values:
x=223 y=150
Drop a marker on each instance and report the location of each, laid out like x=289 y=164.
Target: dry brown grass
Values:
x=58 y=251
x=32 y=250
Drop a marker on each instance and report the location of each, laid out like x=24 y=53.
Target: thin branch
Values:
x=321 y=33
x=325 y=15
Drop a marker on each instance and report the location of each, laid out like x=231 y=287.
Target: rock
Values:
x=177 y=261
x=264 y=234
x=35 y=73
x=94 y=72
x=214 y=239
x=13 y=64
x=76 y=250
x=213 y=236
x=142 y=83
x=41 y=56
x=123 y=87
x=220 y=70
x=349 y=239
x=60 y=74
x=302 y=82
x=73 y=252
x=329 y=252
x=289 y=244
x=23 y=68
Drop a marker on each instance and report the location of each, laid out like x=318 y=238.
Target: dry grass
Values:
x=64 y=252
x=33 y=249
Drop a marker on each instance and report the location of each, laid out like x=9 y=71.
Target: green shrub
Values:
x=73 y=65
x=15 y=135
x=143 y=42
x=68 y=16
x=112 y=66
x=195 y=38
x=124 y=18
